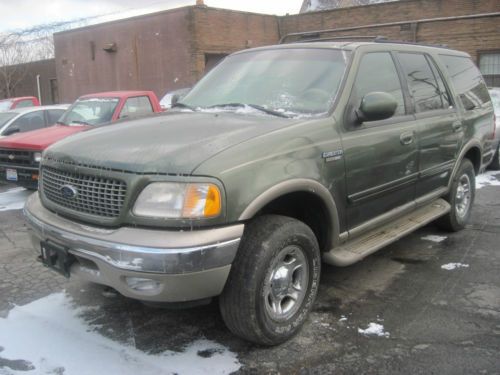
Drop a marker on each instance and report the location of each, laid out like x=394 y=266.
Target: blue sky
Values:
x=27 y=13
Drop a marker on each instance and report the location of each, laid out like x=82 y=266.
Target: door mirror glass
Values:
x=376 y=106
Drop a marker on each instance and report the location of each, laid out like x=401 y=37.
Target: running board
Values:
x=366 y=244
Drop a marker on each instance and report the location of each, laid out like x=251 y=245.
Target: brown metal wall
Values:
x=28 y=85
x=152 y=53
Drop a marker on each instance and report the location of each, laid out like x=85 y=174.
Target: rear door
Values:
x=439 y=128
x=380 y=156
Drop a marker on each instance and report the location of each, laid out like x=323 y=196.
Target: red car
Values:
x=20 y=102
x=20 y=154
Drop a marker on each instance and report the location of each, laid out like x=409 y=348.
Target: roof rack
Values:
x=315 y=36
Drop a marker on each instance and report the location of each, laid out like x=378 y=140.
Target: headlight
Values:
x=179 y=200
x=37 y=157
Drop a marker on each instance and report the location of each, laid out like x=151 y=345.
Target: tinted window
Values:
x=29 y=121
x=467 y=81
x=54 y=115
x=422 y=82
x=137 y=106
x=445 y=94
x=377 y=72
x=24 y=103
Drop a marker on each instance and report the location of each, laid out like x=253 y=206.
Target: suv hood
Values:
x=173 y=143
x=40 y=139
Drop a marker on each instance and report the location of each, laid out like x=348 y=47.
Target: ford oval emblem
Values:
x=69 y=192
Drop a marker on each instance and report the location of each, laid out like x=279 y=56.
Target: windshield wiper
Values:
x=182 y=105
x=255 y=106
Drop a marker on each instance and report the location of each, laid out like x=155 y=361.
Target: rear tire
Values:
x=273 y=281
x=460 y=197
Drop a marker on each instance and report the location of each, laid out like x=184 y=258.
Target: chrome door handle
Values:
x=406 y=138
x=457 y=126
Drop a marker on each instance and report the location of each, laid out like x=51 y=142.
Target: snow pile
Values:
x=434 y=238
x=50 y=336
x=374 y=329
x=452 y=266
x=13 y=199
x=489 y=178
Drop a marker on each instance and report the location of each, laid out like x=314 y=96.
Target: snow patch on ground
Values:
x=434 y=238
x=51 y=336
x=489 y=178
x=452 y=266
x=374 y=329
x=13 y=199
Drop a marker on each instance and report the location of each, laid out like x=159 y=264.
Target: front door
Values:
x=380 y=156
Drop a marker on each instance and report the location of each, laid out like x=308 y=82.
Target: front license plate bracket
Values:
x=56 y=257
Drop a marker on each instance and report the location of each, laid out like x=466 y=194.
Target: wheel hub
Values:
x=287 y=283
x=463 y=196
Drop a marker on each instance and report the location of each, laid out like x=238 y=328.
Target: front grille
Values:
x=16 y=157
x=100 y=196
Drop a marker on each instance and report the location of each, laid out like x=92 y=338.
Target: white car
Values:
x=22 y=120
x=495 y=99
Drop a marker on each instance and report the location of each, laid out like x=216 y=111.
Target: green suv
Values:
x=277 y=159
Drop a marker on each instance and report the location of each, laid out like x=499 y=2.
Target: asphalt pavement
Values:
x=427 y=304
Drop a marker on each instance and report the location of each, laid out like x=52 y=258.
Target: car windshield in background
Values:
x=495 y=99
x=90 y=111
x=6 y=117
x=5 y=105
x=290 y=82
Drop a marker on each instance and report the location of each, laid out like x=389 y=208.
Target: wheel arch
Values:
x=311 y=195
x=472 y=151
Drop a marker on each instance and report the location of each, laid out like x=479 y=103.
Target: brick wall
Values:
x=466 y=35
x=222 y=31
x=152 y=53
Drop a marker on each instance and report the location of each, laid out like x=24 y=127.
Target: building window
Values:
x=489 y=64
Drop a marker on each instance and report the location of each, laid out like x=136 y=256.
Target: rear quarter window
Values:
x=467 y=80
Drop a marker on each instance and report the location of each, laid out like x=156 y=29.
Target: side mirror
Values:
x=376 y=106
x=11 y=130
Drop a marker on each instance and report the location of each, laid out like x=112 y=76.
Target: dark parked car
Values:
x=278 y=158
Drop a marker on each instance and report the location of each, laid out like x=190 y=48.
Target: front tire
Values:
x=273 y=281
x=460 y=197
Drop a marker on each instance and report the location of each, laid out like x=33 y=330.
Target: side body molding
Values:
x=297 y=186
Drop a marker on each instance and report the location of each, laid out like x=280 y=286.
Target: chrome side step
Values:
x=360 y=247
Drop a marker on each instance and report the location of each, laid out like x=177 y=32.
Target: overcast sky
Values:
x=21 y=14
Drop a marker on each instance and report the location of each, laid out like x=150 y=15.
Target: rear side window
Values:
x=424 y=83
x=377 y=72
x=25 y=103
x=467 y=81
x=29 y=121
x=137 y=106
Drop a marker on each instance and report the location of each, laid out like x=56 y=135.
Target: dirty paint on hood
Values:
x=174 y=143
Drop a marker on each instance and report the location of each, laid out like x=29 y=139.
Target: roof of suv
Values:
x=347 y=45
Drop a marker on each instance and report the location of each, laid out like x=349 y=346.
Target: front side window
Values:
x=136 y=106
x=290 y=82
x=422 y=82
x=376 y=73
x=90 y=111
x=29 y=121
x=467 y=81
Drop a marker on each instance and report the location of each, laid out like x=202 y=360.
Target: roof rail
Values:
x=315 y=36
x=411 y=43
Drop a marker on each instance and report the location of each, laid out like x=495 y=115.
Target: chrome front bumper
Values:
x=184 y=265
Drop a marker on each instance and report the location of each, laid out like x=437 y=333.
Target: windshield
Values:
x=291 y=82
x=90 y=111
x=6 y=117
x=495 y=98
x=5 y=105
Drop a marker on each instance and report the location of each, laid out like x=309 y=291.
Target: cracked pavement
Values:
x=437 y=321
